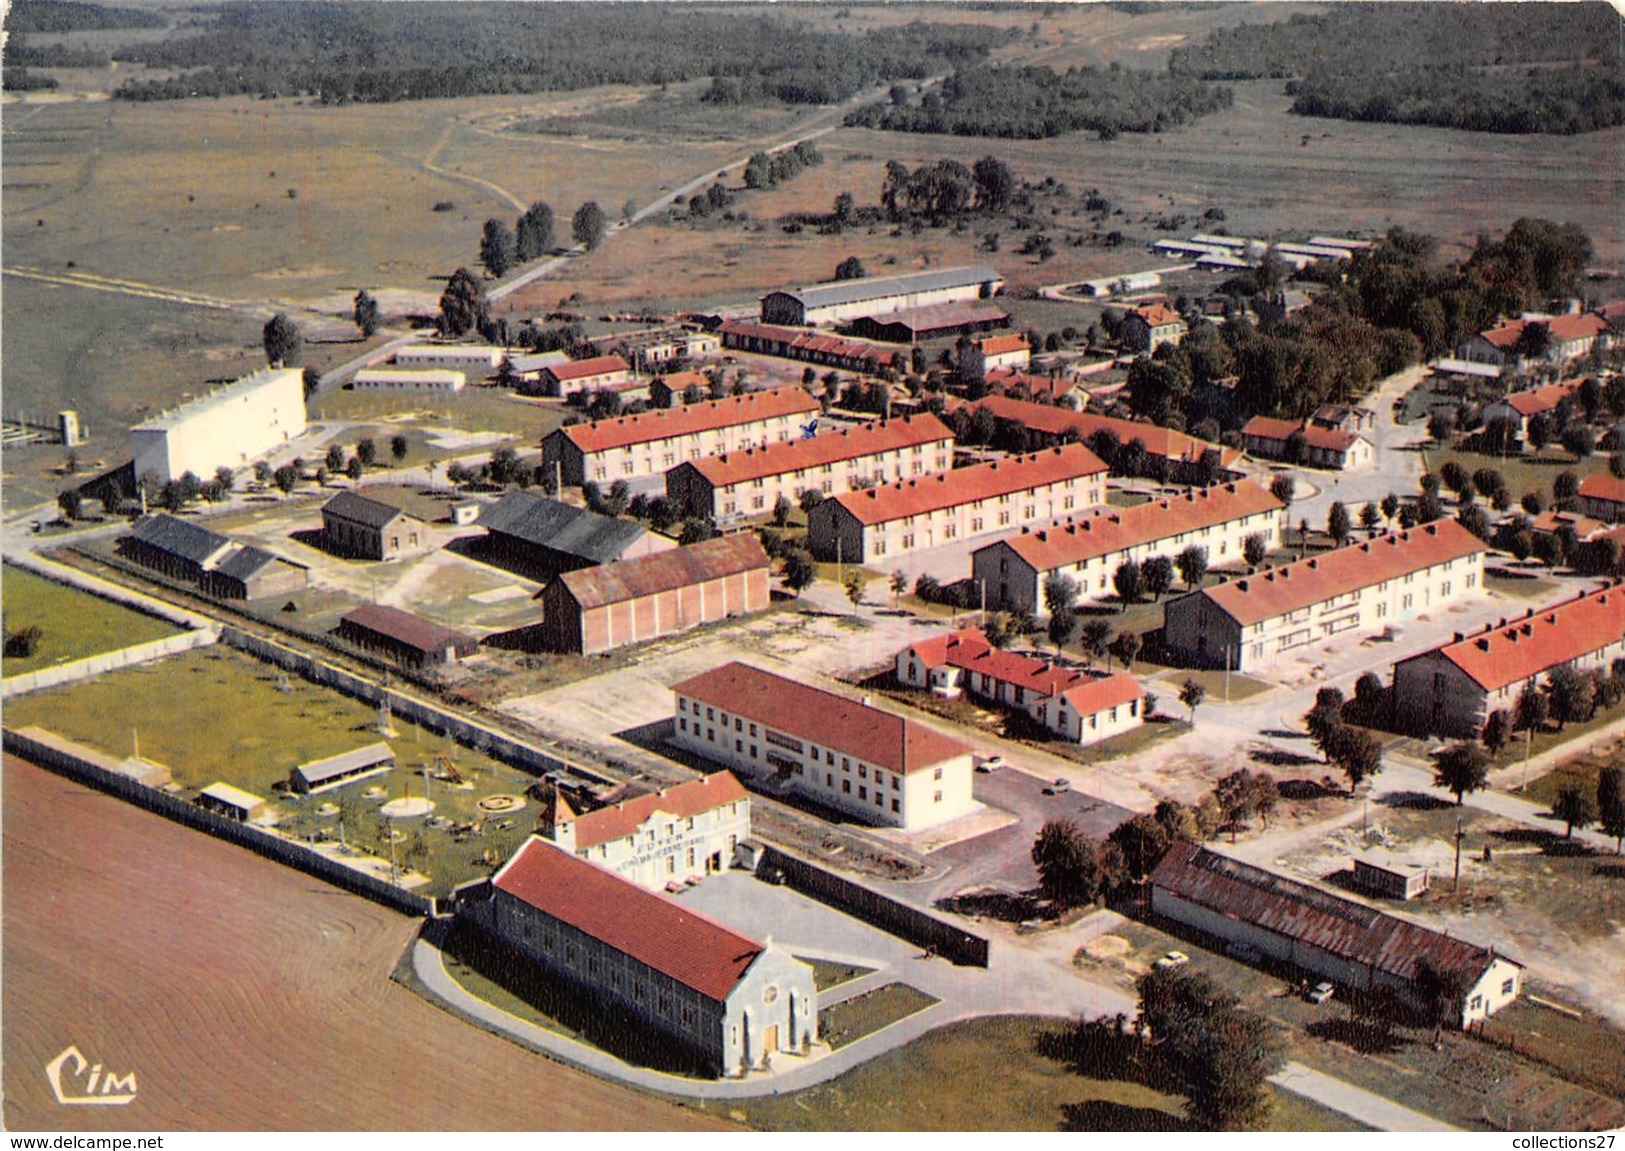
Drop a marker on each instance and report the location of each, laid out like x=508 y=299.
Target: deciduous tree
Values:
x=284 y=345
x=1460 y=768
x=588 y=224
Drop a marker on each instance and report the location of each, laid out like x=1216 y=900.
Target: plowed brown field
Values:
x=242 y=994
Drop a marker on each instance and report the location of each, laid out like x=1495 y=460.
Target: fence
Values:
x=891 y=916
x=481 y=738
x=256 y=839
x=108 y=661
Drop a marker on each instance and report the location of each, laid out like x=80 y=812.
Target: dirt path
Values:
x=440 y=146
x=243 y=995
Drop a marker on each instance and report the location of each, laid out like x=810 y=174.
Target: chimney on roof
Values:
x=1242 y=584
x=1314 y=564
x=1459 y=637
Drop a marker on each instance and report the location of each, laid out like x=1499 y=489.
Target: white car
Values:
x=1174 y=959
x=987 y=763
x=1321 y=993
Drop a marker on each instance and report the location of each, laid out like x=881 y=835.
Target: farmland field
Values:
x=74 y=624
x=244 y=995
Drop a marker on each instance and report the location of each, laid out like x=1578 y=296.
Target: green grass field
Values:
x=74 y=624
x=217 y=714
x=852 y=1019
x=992 y=1075
x=828 y=973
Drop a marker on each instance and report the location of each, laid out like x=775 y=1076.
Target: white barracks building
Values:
x=869 y=764
x=230 y=427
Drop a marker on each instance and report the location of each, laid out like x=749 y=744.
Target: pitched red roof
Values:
x=1085 y=692
x=795 y=340
x=822 y=717
x=1331 y=574
x=619 y=820
x=1519 y=650
x=1246 y=894
x=1056 y=421
x=404 y=627
x=689 y=419
x=1158 y=315
x=595 y=366
x=1537 y=400
x=1106 y=530
x=1551 y=520
x=1000 y=344
x=1576 y=326
x=665 y=571
x=691 y=948
x=967 y=485
x=816 y=451
x=1001 y=380
x=1602 y=486
x=1325 y=439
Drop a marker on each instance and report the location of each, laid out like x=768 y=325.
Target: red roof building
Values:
x=749 y=483
x=725 y=996
x=1089 y=547
x=676 y=835
x=1570 y=336
x=844 y=753
x=654 y=442
x=578 y=377
x=1326 y=599
x=595 y=609
x=1334 y=448
x=1451 y=690
x=1354 y=945
x=877 y=524
x=1077 y=705
x=1603 y=497
x=812 y=347
x=1007 y=350
x=403 y=637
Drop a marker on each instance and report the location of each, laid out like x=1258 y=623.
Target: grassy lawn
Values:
x=1522 y=584
x=828 y=973
x=1529 y=472
x=994 y=1074
x=74 y=624
x=217 y=714
x=1241 y=688
x=474 y=409
x=867 y=1013
x=1544 y=788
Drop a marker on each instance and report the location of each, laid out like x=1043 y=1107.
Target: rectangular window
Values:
x=895 y=806
x=1506 y=988
x=936 y=797
x=937 y=774
x=846 y=787
x=863 y=793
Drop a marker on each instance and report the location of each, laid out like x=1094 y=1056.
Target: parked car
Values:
x=1321 y=993
x=986 y=763
x=1058 y=787
x=1174 y=959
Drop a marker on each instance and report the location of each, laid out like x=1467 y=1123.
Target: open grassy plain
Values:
x=245 y=996
x=75 y=624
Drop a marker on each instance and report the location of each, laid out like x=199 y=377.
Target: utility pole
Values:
x=1455 y=882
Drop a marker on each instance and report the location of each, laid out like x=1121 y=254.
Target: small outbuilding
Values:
x=405 y=638
x=232 y=802
x=337 y=770
x=357 y=525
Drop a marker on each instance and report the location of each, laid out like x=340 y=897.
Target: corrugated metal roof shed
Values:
x=549 y=523
x=179 y=538
x=855 y=291
x=345 y=763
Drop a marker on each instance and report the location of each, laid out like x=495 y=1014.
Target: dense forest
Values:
x=1396 y=304
x=1513 y=67
x=70 y=16
x=388 y=51
x=1033 y=103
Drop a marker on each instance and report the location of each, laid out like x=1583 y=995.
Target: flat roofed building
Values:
x=650 y=348
x=1390 y=880
x=750 y=483
x=673 y=835
x=230 y=427
x=838 y=300
x=733 y=1001
x=233 y=802
x=1451 y=690
x=1332 y=448
x=1079 y=706
x=654 y=442
x=1089 y=547
x=475 y=361
x=408 y=380
x=337 y=770
x=406 y=638
x=785 y=736
x=599 y=608
x=354 y=524
x=1250 y=622
x=1353 y=945
x=547 y=536
x=1172 y=457
x=578 y=377
x=880 y=524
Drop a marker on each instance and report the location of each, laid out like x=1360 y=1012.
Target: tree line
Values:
x=1523 y=68
x=391 y=51
x=73 y=16
x=1034 y=103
